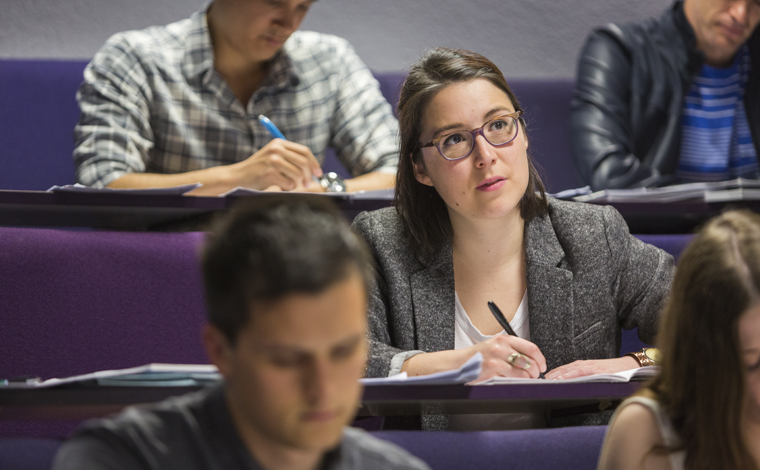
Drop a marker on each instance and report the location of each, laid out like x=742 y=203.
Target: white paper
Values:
x=468 y=372
x=639 y=373
x=209 y=372
x=78 y=188
x=571 y=193
x=674 y=193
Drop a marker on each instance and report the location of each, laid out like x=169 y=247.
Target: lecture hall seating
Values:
x=38 y=111
x=540 y=449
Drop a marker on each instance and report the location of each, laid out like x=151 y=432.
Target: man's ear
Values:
x=420 y=173
x=218 y=349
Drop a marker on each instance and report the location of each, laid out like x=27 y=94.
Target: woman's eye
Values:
x=453 y=139
x=499 y=125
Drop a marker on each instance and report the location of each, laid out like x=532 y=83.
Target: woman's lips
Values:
x=491 y=184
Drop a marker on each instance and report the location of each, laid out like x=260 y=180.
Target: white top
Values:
x=669 y=436
x=466 y=334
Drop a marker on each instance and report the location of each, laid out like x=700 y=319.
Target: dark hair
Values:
x=422 y=210
x=276 y=246
x=702 y=384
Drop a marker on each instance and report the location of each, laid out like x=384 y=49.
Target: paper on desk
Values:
x=632 y=375
x=468 y=372
x=383 y=194
x=147 y=375
x=678 y=192
x=571 y=193
x=173 y=190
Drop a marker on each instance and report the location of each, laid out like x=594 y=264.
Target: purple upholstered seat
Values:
x=77 y=302
x=38 y=111
x=27 y=454
x=544 y=449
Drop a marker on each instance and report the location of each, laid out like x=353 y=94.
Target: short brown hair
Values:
x=422 y=210
x=273 y=246
x=702 y=384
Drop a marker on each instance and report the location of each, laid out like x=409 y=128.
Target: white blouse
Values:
x=466 y=334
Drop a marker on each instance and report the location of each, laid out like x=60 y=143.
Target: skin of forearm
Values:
x=374 y=180
x=215 y=181
x=219 y=179
x=430 y=363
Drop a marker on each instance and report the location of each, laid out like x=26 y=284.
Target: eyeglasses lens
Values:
x=459 y=144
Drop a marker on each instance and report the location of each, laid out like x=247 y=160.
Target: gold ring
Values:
x=513 y=357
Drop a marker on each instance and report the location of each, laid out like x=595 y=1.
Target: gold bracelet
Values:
x=647 y=357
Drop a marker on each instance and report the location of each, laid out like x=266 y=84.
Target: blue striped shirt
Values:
x=716 y=143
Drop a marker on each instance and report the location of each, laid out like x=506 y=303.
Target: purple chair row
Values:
x=545 y=449
x=38 y=111
x=76 y=302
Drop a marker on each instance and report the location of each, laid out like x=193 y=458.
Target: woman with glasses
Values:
x=472 y=224
x=703 y=409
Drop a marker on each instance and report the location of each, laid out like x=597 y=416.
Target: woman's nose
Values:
x=483 y=153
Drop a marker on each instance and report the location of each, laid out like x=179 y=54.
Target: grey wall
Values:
x=526 y=38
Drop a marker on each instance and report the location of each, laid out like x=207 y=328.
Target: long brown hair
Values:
x=423 y=212
x=702 y=385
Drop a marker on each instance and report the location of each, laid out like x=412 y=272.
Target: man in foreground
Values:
x=672 y=99
x=286 y=296
x=179 y=104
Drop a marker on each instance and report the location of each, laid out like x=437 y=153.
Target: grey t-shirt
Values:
x=195 y=432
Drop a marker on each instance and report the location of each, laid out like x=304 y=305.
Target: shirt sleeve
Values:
x=365 y=132
x=641 y=277
x=600 y=122
x=113 y=135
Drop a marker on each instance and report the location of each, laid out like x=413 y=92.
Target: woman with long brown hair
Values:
x=472 y=224
x=703 y=410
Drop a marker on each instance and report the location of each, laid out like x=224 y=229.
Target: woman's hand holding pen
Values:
x=509 y=356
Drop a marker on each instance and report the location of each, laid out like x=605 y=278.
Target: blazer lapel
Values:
x=550 y=292
x=433 y=301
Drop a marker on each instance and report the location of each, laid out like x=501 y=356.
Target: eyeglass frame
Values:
x=475 y=133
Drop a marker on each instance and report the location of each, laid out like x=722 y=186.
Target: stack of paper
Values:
x=173 y=190
x=733 y=190
x=151 y=375
x=468 y=372
x=638 y=374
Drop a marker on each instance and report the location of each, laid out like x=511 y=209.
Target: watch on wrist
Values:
x=333 y=182
x=647 y=357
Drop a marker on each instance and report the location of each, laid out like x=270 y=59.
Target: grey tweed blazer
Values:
x=587 y=278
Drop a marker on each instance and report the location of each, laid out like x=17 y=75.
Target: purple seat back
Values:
x=77 y=302
x=38 y=111
x=28 y=454
x=544 y=449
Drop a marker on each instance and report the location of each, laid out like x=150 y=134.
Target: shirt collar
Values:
x=199 y=54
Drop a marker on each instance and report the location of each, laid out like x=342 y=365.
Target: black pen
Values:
x=507 y=327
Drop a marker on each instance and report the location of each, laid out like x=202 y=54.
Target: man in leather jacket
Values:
x=627 y=106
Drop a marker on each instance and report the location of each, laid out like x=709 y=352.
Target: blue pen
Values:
x=271 y=127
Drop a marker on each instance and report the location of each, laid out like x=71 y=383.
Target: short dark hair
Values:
x=275 y=246
x=421 y=209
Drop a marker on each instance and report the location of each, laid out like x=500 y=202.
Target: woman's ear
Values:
x=420 y=173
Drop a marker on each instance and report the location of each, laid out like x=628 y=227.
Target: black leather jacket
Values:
x=626 y=108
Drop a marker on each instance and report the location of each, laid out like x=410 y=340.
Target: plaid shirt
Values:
x=152 y=101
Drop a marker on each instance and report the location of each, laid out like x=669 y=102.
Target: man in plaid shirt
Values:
x=179 y=104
